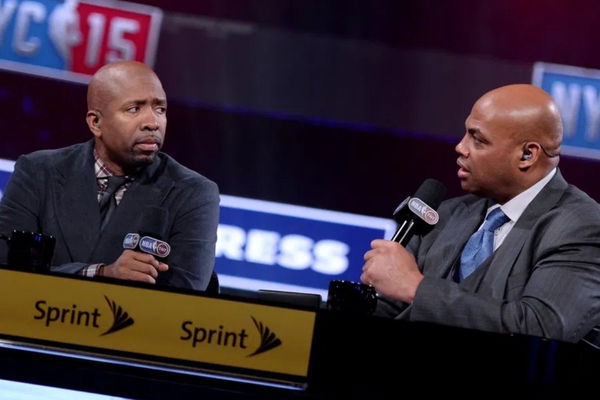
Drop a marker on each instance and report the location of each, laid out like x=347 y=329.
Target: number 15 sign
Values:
x=71 y=39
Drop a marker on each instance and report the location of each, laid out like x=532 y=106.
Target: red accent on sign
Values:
x=109 y=35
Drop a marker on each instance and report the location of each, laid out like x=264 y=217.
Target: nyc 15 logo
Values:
x=71 y=39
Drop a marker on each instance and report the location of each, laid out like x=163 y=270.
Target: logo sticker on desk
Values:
x=75 y=315
x=198 y=335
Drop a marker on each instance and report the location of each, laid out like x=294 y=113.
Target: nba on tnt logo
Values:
x=71 y=39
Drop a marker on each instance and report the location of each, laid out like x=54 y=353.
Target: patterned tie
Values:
x=481 y=244
x=108 y=203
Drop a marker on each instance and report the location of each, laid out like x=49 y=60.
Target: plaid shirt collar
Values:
x=102 y=173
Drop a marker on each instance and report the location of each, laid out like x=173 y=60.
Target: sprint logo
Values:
x=268 y=339
x=52 y=315
x=201 y=336
x=121 y=318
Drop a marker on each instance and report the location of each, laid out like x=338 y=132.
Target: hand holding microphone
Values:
x=417 y=214
x=389 y=267
x=135 y=266
x=145 y=254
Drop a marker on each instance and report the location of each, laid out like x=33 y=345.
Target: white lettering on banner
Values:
x=592 y=110
x=261 y=246
x=7 y=10
x=331 y=257
x=96 y=22
x=568 y=100
x=28 y=11
x=121 y=48
x=231 y=242
x=293 y=251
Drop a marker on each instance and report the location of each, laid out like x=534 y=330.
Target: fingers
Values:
x=149 y=259
x=145 y=268
x=364 y=278
x=136 y=266
x=139 y=277
x=162 y=267
x=377 y=246
x=380 y=242
x=141 y=257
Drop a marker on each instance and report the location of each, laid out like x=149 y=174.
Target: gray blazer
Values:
x=54 y=192
x=544 y=280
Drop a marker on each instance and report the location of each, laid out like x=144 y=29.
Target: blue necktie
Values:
x=481 y=244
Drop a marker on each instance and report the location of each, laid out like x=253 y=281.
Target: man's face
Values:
x=489 y=155
x=133 y=122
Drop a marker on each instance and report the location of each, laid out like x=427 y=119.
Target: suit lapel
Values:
x=139 y=195
x=498 y=268
x=76 y=204
x=149 y=190
x=447 y=246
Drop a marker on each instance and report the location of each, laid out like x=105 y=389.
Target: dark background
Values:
x=344 y=105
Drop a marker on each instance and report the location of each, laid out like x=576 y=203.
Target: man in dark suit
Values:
x=521 y=252
x=90 y=195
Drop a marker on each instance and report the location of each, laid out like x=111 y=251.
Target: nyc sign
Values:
x=577 y=94
x=71 y=39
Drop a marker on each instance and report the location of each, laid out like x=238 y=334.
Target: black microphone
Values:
x=147 y=244
x=417 y=214
x=148 y=239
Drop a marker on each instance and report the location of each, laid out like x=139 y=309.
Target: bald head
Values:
x=112 y=80
x=527 y=113
x=127 y=109
x=512 y=140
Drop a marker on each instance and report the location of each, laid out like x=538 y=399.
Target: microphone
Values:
x=417 y=214
x=148 y=239
x=147 y=244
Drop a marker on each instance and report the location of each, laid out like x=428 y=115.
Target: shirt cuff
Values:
x=91 y=270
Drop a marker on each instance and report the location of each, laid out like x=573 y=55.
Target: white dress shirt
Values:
x=515 y=207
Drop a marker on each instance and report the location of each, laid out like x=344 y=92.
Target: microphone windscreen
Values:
x=431 y=192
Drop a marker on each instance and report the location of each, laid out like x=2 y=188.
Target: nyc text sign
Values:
x=71 y=39
x=577 y=94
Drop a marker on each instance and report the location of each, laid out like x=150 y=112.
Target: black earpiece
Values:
x=526 y=156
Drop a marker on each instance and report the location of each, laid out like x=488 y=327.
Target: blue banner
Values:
x=577 y=94
x=267 y=245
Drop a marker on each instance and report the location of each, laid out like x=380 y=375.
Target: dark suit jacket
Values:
x=54 y=192
x=544 y=280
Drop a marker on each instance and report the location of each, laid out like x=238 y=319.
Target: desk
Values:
x=349 y=358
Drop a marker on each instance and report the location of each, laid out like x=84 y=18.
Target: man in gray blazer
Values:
x=69 y=192
x=541 y=273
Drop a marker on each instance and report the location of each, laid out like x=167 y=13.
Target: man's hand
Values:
x=392 y=270
x=134 y=266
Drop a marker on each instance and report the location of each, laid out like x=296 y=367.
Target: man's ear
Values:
x=93 y=119
x=530 y=153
